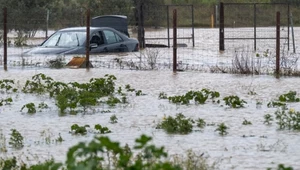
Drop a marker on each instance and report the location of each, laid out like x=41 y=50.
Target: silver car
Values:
x=73 y=41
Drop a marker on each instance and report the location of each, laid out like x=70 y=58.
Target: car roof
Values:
x=84 y=28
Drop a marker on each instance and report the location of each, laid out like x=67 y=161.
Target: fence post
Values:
x=277 y=43
x=87 y=48
x=193 y=26
x=221 y=38
x=174 y=40
x=5 y=37
x=141 y=31
x=168 y=26
x=254 y=25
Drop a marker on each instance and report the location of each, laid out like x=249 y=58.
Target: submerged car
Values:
x=73 y=41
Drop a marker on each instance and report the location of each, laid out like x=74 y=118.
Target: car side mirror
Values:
x=93 y=45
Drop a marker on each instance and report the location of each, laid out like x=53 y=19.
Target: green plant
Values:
x=43 y=105
x=222 y=129
x=30 y=108
x=268 y=118
x=162 y=95
x=59 y=138
x=7 y=85
x=288 y=119
x=113 y=119
x=91 y=155
x=128 y=88
x=200 y=123
x=9 y=164
x=102 y=130
x=276 y=104
x=289 y=97
x=179 y=124
x=5 y=101
x=112 y=101
x=199 y=97
x=16 y=139
x=234 y=101
x=282 y=167
x=246 y=122
x=76 y=129
x=39 y=84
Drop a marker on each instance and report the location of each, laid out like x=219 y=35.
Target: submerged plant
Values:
x=288 y=119
x=76 y=129
x=222 y=129
x=113 y=119
x=268 y=118
x=289 y=97
x=200 y=123
x=180 y=124
x=102 y=129
x=234 y=101
x=30 y=108
x=199 y=97
x=246 y=122
x=7 y=85
x=16 y=139
x=5 y=101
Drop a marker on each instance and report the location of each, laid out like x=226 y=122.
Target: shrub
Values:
x=179 y=124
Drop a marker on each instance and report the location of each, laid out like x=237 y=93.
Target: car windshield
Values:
x=66 y=39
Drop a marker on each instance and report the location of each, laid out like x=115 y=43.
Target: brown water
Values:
x=264 y=146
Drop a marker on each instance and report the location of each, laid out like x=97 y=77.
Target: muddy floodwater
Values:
x=256 y=146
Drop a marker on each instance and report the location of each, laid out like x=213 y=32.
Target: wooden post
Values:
x=221 y=38
x=87 y=48
x=174 y=40
x=5 y=37
x=277 y=43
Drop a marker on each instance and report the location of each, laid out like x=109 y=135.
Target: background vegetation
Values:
x=28 y=16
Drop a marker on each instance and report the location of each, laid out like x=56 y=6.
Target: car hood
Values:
x=55 y=50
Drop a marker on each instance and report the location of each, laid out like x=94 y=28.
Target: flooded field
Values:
x=256 y=146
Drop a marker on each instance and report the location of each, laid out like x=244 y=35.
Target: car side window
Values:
x=97 y=38
x=111 y=37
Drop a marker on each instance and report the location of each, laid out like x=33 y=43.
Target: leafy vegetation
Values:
x=199 y=97
x=234 y=101
x=16 y=139
x=288 y=119
x=179 y=124
x=222 y=129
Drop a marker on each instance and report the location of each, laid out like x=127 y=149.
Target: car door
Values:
x=98 y=39
x=114 y=42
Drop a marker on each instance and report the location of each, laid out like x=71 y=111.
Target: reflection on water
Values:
x=255 y=146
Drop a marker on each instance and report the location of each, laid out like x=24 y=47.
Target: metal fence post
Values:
x=5 y=37
x=174 y=40
x=87 y=48
x=277 y=43
x=168 y=25
x=193 y=26
x=254 y=25
x=221 y=38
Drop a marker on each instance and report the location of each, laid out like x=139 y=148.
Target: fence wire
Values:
x=205 y=56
